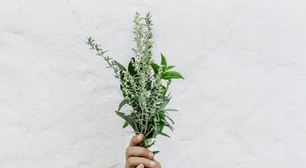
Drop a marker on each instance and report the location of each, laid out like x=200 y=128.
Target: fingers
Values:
x=139 y=151
x=158 y=164
x=140 y=166
x=136 y=139
x=137 y=161
x=139 y=156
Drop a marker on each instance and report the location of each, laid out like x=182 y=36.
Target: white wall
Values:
x=242 y=103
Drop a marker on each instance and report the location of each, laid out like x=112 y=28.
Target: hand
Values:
x=139 y=156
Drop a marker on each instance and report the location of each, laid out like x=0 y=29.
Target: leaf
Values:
x=121 y=75
x=121 y=67
x=151 y=144
x=146 y=139
x=124 y=94
x=155 y=67
x=160 y=126
x=161 y=115
x=144 y=143
x=170 y=119
x=125 y=124
x=131 y=68
x=172 y=75
x=169 y=67
x=161 y=133
x=123 y=102
x=164 y=89
x=168 y=83
x=163 y=62
x=126 y=118
x=169 y=125
x=164 y=104
x=155 y=152
x=120 y=114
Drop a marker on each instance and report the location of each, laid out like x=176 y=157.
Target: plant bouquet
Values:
x=141 y=83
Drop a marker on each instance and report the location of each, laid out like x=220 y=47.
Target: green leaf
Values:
x=161 y=133
x=172 y=75
x=168 y=83
x=170 y=119
x=125 y=124
x=164 y=89
x=164 y=104
x=169 y=125
x=131 y=68
x=155 y=67
x=169 y=67
x=121 y=75
x=146 y=139
x=155 y=152
x=151 y=144
x=160 y=126
x=121 y=67
x=123 y=102
x=163 y=62
x=123 y=94
x=161 y=115
x=126 y=118
x=120 y=114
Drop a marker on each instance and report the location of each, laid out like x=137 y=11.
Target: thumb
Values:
x=140 y=166
x=136 y=139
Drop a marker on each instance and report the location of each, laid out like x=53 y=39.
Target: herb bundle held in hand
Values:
x=141 y=85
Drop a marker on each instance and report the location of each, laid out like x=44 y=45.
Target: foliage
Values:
x=141 y=84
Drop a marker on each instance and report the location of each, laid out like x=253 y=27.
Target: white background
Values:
x=242 y=103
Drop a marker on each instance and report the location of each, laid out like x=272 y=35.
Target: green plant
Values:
x=141 y=84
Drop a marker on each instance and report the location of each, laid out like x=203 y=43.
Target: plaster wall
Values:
x=242 y=103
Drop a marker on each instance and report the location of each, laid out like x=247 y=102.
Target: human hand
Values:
x=139 y=156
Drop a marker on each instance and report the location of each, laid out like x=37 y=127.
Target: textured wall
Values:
x=242 y=103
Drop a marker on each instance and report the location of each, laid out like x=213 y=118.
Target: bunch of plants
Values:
x=144 y=85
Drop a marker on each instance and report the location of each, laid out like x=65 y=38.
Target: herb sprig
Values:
x=141 y=84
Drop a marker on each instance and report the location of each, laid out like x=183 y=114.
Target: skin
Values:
x=139 y=156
